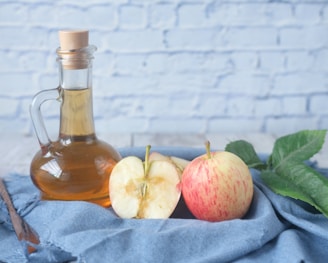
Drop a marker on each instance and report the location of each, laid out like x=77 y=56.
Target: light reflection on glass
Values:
x=52 y=168
x=104 y=166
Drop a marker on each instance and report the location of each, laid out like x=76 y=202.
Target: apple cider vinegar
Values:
x=76 y=166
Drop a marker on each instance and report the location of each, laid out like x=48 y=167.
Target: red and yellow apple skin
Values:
x=217 y=186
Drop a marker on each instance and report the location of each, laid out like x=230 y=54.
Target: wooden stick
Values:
x=22 y=229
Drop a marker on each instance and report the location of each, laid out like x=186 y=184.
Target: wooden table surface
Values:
x=18 y=151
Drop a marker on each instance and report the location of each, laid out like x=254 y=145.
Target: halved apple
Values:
x=177 y=161
x=149 y=189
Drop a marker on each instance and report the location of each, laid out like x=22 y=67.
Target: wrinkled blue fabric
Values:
x=275 y=229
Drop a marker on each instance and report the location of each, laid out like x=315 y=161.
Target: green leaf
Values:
x=245 y=151
x=282 y=186
x=285 y=171
x=300 y=181
x=297 y=147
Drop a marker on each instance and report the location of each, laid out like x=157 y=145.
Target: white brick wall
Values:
x=175 y=66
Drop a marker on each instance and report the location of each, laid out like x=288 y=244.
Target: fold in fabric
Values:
x=275 y=229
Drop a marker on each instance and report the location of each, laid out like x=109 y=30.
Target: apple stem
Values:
x=147 y=159
x=208 y=149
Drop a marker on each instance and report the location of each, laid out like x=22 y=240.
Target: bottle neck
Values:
x=73 y=79
x=76 y=114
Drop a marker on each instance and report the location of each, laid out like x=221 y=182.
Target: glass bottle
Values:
x=77 y=165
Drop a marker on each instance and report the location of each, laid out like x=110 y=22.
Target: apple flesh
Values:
x=178 y=162
x=217 y=186
x=149 y=189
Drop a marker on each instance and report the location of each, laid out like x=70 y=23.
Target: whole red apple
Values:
x=217 y=186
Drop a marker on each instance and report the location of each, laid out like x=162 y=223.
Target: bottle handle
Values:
x=36 y=116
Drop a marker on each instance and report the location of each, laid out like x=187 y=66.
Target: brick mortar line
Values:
x=170 y=51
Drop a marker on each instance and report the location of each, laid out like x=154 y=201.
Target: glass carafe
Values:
x=77 y=165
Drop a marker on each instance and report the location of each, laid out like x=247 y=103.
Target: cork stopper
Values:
x=73 y=39
x=74 y=51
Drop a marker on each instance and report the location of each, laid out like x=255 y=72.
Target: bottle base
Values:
x=102 y=201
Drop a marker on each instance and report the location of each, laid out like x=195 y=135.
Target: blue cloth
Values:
x=275 y=229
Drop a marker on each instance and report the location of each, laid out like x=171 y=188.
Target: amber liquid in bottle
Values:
x=76 y=166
